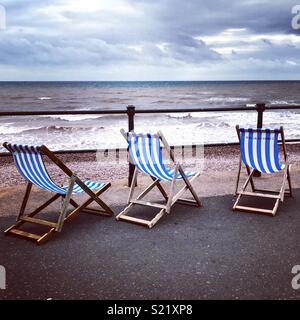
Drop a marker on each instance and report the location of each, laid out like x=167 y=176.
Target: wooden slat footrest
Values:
x=142 y=222
x=24 y=234
x=253 y=209
x=39 y=239
x=149 y=204
x=286 y=192
x=39 y=221
x=257 y=194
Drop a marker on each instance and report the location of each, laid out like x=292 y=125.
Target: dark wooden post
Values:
x=130 y=114
x=260 y=108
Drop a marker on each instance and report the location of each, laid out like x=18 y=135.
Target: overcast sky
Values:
x=149 y=40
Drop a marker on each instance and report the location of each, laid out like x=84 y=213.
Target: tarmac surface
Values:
x=192 y=253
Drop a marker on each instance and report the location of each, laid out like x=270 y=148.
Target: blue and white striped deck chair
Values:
x=259 y=149
x=30 y=164
x=146 y=155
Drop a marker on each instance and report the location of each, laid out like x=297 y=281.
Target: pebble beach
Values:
x=219 y=170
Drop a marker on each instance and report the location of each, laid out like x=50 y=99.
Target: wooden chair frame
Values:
x=169 y=197
x=66 y=201
x=278 y=196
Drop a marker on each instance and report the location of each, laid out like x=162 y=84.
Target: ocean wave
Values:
x=283 y=102
x=179 y=115
x=212 y=128
x=57 y=129
x=83 y=117
x=213 y=116
x=44 y=98
x=227 y=99
x=9 y=129
x=51 y=118
x=78 y=117
x=164 y=101
x=191 y=98
x=214 y=125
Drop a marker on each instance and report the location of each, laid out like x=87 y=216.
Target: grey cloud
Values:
x=192 y=51
x=279 y=52
x=22 y=51
x=108 y=37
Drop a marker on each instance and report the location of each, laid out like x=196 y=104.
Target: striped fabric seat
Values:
x=259 y=149
x=30 y=164
x=145 y=153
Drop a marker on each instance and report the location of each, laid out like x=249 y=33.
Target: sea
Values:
x=74 y=132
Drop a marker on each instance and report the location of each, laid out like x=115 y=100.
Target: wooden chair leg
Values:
x=29 y=218
x=45 y=205
x=123 y=215
x=35 y=212
x=133 y=184
x=275 y=208
x=282 y=189
x=94 y=211
x=238 y=176
x=278 y=195
x=125 y=211
x=160 y=188
x=83 y=208
x=154 y=221
x=289 y=179
x=74 y=203
x=177 y=197
x=65 y=204
x=140 y=196
x=249 y=179
x=171 y=193
x=89 y=192
x=189 y=185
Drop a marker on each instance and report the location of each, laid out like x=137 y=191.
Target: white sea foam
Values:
x=45 y=98
x=10 y=129
x=195 y=128
x=226 y=99
x=96 y=131
x=179 y=115
x=78 y=117
x=214 y=128
x=283 y=102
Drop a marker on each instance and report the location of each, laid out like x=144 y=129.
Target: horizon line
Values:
x=251 y=80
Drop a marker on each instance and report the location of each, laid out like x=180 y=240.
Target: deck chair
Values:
x=30 y=164
x=146 y=154
x=259 y=151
